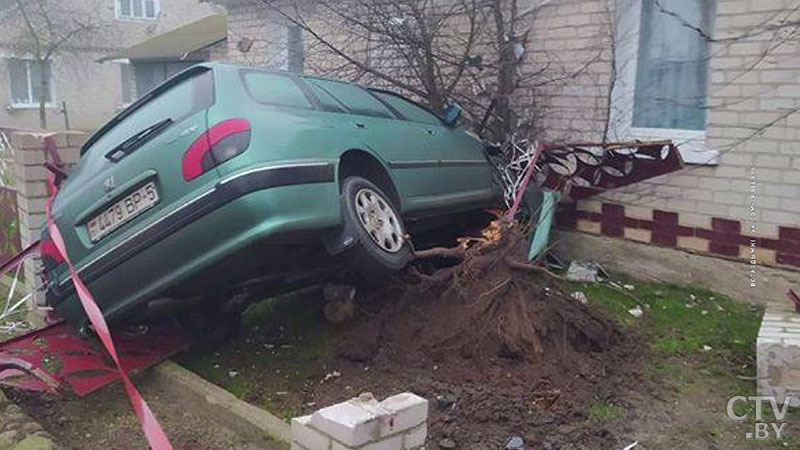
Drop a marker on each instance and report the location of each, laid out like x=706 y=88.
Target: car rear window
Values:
x=355 y=98
x=408 y=109
x=274 y=89
x=175 y=99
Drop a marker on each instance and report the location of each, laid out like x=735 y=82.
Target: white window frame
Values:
x=35 y=102
x=693 y=144
x=132 y=18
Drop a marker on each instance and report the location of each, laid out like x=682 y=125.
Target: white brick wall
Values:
x=749 y=90
x=396 y=423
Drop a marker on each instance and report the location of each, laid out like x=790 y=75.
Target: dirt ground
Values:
x=103 y=420
x=498 y=351
x=662 y=380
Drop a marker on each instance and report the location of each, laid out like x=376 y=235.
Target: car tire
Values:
x=380 y=246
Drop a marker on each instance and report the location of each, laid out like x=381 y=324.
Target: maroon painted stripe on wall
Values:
x=725 y=235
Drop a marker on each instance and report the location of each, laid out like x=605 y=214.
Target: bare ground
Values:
x=104 y=420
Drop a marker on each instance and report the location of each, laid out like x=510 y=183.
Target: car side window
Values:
x=408 y=109
x=326 y=100
x=274 y=89
x=355 y=98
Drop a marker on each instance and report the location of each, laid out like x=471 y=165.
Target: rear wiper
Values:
x=137 y=140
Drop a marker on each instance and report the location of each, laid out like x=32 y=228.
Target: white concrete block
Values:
x=778 y=354
x=406 y=411
x=389 y=443
x=352 y=423
x=306 y=436
x=415 y=438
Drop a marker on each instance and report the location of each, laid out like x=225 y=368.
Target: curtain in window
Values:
x=672 y=68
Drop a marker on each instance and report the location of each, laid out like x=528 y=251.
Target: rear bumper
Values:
x=241 y=209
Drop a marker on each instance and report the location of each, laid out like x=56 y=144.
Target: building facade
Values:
x=718 y=77
x=84 y=92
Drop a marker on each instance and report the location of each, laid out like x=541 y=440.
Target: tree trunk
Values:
x=43 y=90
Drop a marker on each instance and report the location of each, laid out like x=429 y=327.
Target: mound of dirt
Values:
x=496 y=344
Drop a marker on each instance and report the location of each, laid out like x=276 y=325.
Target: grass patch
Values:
x=600 y=411
x=703 y=346
x=682 y=320
x=276 y=355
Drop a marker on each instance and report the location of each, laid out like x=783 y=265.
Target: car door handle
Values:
x=359 y=125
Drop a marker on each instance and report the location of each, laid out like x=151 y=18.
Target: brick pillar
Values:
x=31 y=179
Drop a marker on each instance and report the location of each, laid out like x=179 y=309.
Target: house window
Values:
x=661 y=88
x=137 y=9
x=128 y=83
x=672 y=67
x=25 y=80
x=148 y=75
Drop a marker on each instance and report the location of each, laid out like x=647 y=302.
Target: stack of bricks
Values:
x=363 y=423
x=32 y=192
x=778 y=353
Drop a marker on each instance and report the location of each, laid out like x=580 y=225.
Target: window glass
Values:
x=408 y=109
x=326 y=100
x=36 y=81
x=148 y=76
x=137 y=8
x=176 y=103
x=128 y=83
x=672 y=68
x=274 y=89
x=18 y=72
x=355 y=98
x=25 y=81
x=125 y=8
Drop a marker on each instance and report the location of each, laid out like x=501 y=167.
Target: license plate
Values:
x=122 y=211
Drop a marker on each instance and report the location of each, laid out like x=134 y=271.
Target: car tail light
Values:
x=220 y=143
x=49 y=253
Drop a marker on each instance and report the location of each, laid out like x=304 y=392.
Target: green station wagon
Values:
x=228 y=176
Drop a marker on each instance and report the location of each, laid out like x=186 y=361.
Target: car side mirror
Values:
x=451 y=115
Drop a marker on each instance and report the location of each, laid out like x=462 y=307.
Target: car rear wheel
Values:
x=381 y=247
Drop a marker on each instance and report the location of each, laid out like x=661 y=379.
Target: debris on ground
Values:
x=584 y=271
x=581 y=297
x=515 y=443
x=636 y=312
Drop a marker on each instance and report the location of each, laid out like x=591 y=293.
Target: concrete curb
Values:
x=219 y=404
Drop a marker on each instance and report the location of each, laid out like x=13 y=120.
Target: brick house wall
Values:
x=753 y=122
x=582 y=46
